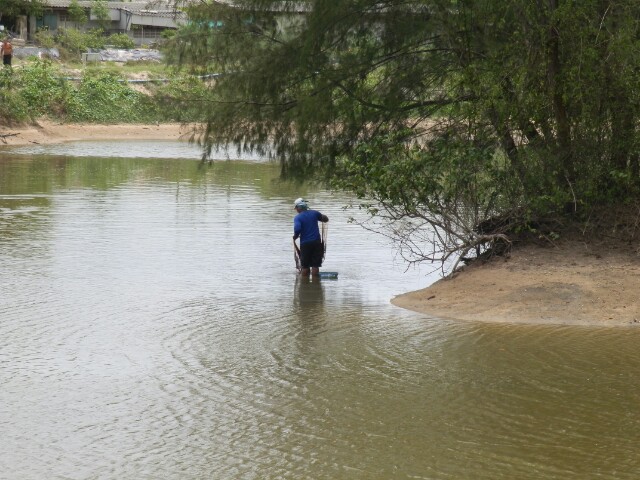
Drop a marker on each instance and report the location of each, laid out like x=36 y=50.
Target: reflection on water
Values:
x=152 y=326
x=157 y=149
x=309 y=292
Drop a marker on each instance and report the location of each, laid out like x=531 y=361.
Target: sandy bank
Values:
x=570 y=284
x=47 y=132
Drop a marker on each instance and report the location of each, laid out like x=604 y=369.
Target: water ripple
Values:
x=152 y=326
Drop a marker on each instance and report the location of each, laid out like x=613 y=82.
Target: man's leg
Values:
x=316 y=259
x=304 y=272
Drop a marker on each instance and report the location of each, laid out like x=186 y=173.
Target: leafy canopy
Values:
x=515 y=108
x=77 y=13
x=13 y=8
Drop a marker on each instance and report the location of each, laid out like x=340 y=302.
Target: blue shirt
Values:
x=305 y=226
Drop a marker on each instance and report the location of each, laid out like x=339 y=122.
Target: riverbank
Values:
x=571 y=283
x=49 y=132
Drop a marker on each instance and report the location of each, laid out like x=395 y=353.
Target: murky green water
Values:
x=152 y=327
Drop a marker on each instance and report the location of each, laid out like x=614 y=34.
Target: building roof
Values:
x=88 y=4
x=164 y=8
x=153 y=8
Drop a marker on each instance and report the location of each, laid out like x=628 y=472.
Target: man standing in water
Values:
x=305 y=226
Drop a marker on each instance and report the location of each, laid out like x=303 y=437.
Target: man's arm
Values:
x=297 y=228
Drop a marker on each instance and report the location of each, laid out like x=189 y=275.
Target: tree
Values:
x=459 y=121
x=100 y=9
x=77 y=13
x=13 y=8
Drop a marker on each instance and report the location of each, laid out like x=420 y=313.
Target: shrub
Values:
x=120 y=40
x=42 y=88
x=74 y=42
x=106 y=99
x=13 y=108
x=181 y=99
x=168 y=33
x=44 y=38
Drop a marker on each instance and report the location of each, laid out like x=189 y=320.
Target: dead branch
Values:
x=4 y=136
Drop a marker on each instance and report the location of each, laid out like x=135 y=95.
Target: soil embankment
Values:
x=47 y=132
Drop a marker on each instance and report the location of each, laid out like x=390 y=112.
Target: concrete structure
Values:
x=142 y=21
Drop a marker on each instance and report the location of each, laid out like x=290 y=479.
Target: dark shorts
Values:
x=6 y=59
x=311 y=254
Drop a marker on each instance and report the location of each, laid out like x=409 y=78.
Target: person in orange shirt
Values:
x=7 y=51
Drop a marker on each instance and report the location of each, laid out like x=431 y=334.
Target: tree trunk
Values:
x=563 y=128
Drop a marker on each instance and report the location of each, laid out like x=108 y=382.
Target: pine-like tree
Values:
x=452 y=112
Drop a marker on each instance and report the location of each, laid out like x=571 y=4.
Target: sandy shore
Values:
x=47 y=132
x=570 y=283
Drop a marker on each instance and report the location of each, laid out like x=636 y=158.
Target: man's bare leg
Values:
x=315 y=271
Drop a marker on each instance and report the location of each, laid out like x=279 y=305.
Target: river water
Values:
x=152 y=327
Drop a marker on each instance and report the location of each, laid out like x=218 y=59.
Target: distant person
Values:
x=305 y=226
x=7 y=51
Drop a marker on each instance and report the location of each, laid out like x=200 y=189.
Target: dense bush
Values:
x=44 y=38
x=74 y=42
x=43 y=89
x=32 y=91
x=182 y=99
x=120 y=40
x=106 y=98
x=13 y=107
x=40 y=89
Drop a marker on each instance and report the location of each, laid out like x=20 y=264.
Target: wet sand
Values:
x=568 y=284
x=48 y=132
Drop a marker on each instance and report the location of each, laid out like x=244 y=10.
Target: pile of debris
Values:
x=121 y=55
x=40 y=52
x=97 y=55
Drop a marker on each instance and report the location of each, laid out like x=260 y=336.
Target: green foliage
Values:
x=182 y=99
x=151 y=68
x=12 y=8
x=32 y=91
x=74 y=42
x=77 y=13
x=44 y=38
x=42 y=89
x=120 y=40
x=440 y=176
x=168 y=33
x=13 y=107
x=548 y=88
x=107 y=99
x=103 y=96
x=100 y=9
